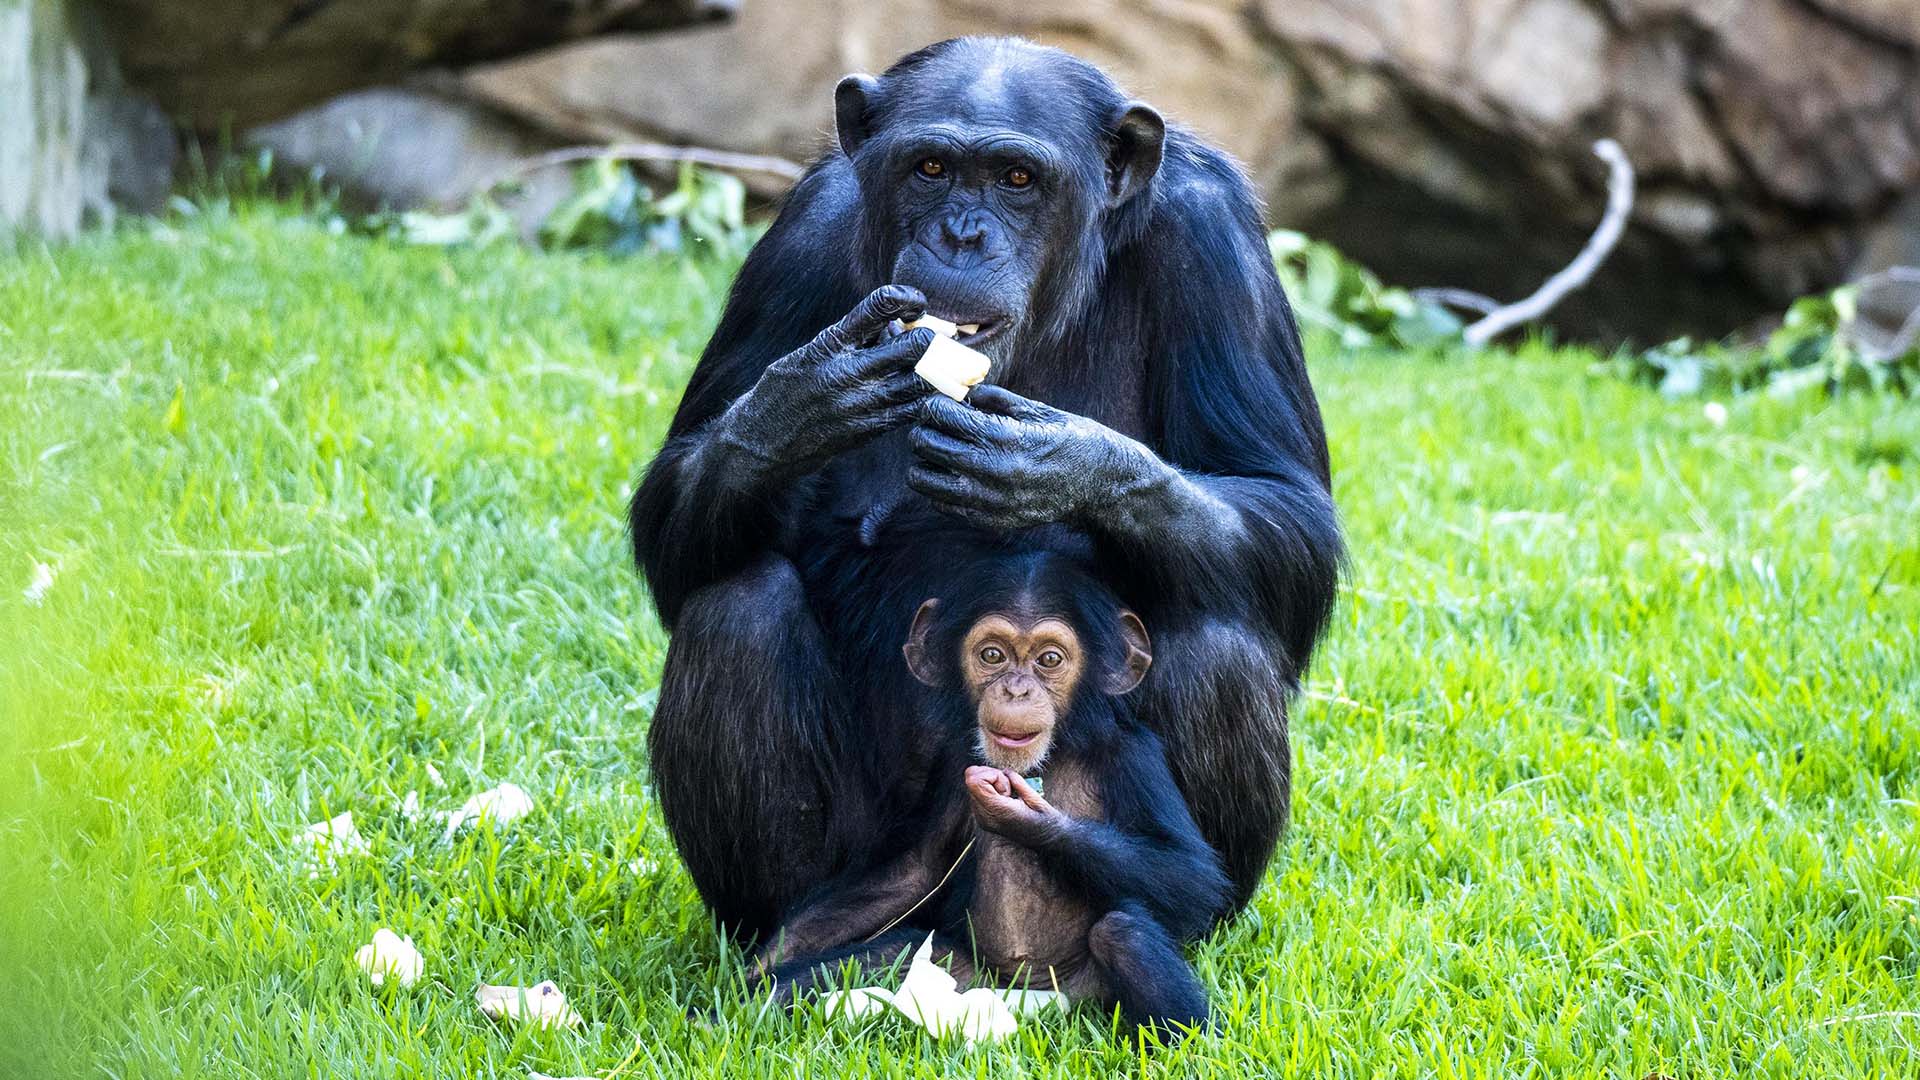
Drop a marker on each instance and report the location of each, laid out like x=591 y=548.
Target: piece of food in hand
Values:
x=542 y=1005
x=389 y=954
x=951 y=367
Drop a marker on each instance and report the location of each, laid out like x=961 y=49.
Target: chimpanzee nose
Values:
x=963 y=231
x=1017 y=689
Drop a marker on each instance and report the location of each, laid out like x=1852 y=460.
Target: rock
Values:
x=411 y=146
x=244 y=62
x=765 y=81
x=74 y=140
x=1761 y=178
x=1440 y=141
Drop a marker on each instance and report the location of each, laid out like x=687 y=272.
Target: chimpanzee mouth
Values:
x=972 y=331
x=975 y=331
x=1011 y=742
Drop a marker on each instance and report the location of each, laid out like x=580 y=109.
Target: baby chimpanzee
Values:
x=1088 y=878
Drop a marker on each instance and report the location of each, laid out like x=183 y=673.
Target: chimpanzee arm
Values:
x=1147 y=851
x=774 y=396
x=1227 y=514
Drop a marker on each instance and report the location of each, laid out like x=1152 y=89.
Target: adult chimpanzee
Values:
x=1090 y=888
x=1148 y=390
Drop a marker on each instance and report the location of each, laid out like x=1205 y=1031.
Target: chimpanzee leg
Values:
x=1144 y=972
x=743 y=746
x=797 y=977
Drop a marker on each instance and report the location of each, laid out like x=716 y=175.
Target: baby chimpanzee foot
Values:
x=1147 y=977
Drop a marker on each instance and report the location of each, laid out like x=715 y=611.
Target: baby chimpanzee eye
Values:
x=932 y=168
x=992 y=655
x=1052 y=658
x=1018 y=177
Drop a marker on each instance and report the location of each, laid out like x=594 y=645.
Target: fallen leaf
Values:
x=542 y=1005
x=502 y=805
x=390 y=954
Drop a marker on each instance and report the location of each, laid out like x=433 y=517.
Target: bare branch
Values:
x=728 y=160
x=1581 y=269
x=1464 y=299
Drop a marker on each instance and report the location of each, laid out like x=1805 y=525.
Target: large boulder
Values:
x=1441 y=141
x=241 y=62
x=74 y=140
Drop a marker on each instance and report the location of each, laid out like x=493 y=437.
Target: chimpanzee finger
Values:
x=950 y=491
x=1024 y=791
x=945 y=414
x=902 y=389
x=871 y=315
x=893 y=355
x=946 y=453
x=999 y=401
x=886 y=418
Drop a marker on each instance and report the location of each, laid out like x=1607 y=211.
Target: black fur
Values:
x=1117 y=892
x=780 y=749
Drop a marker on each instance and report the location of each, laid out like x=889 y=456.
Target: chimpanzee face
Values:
x=976 y=210
x=1022 y=668
x=987 y=169
x=1021 y=676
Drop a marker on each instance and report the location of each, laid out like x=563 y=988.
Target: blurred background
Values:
x=1437 y=142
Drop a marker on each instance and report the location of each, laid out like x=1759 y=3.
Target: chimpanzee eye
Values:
x=1052 y=658
x=932 y=168
x=992 y=654
x=1018 y=177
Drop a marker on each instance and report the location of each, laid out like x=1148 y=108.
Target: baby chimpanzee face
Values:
x=1022 y=665
x=1021 y=677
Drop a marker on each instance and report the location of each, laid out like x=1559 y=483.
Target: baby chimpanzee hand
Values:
x=1004 y=803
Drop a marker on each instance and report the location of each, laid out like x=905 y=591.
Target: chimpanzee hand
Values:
x=837 y=391
x=1007 y=462
x=1004 y=803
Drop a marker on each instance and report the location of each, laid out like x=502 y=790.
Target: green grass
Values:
x=1610 y=766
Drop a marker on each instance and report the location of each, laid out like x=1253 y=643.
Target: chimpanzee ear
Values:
x=919 y=660
x=1133 y=668
x=851 y=100
x=1133 y=156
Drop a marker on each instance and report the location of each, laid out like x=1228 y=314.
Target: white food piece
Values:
x=928 y=997
x=952 y=368
x=328 y=841
x=502 y=805
x=389 y=954
x=934 y=323
x=856 y=1003
x=1025 y=1003
x=36 y=590
x=542 y=1004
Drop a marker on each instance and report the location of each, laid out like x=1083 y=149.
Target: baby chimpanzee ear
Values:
x=1133 y=667
x=919 y=660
